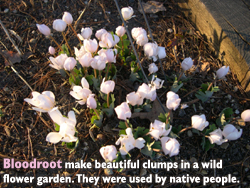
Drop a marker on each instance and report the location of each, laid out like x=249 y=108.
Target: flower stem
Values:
x=95 y=73
x=106 y=76
x=70 y=51
x=75 y=33
x=126 y=124
x=108 y=100
x=72 y=73
x=182 y=72
x=211 y=85
x=100 y=75
x=56 y=43
x=97 y=113
x=169 y=112
x=187 y=128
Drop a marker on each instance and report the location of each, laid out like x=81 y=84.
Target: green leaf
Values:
x=57 y=127
x=147 y=107
x=175 y=87
x=157 y=145
x=63 y=73
x=210 y=129
x=138 y=109
x=72 y=145
x=89 y=78
x=176 y=130
x=204 y=96
x=147 y=150
x=225 y=116
x=122 y=132
x=63 y=143
x=140 y=131
x=96 y=121
x=65 y=50
x=163 y=117
x=134 y=76
x=96 y=83
x=122 y=125
x=206 y=145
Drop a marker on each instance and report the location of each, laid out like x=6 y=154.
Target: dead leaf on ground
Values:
x=204 y=68
x=10 y=56
x=153 y=114
x=151 y=7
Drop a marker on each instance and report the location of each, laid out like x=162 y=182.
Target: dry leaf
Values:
x=10 y=56
x=153 y=114
x=204 y=68
x=151 y=7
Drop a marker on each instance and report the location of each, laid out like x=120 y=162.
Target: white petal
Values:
x=54 y=137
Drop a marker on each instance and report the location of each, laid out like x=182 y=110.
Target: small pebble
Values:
x=100 y=13
x=6 y=10
x=14 y=11
x=170 y=30
x=95 y=20
x=236 y=111
x=189 y=133
x=33 y=41
x=235 y=88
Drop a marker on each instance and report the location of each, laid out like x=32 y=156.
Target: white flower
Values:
x=199 y=122
x=147 y=91
x=69 y=63
x=58 y=62
x=109 y=54
x=128 y=142
x=127 y=13
x=67 y=17
x=161 y=52
x=152 y=68
x=157 y=82
x=98 y=62
x=44 y=29
x=99 y=33
x=120 y=31
x=43 y=102
x=81 y=93
x=216 y=137
x=173 y=100
x=170 y=146
x=85 y=33
x=245 y=115
x=134 y=98
x=222 y=72
x=140 y=35
x=90 y=45
x=158 y=129
x=86 y=59
x=59 y=25
x=108 y=152
x=150 y=50
x=107 y=86
x=187 y=63
x=231 y=133
x=91 y=102
x=80 y=53
x=123 y=111
x=52 y=50
x=108 y=40
x=67 y=127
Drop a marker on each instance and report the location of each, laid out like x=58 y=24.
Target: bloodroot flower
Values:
x=120 y=31
x=199 y=122
x=59 y=25
x=157 y=129
x=222 y=72
x=170 y=146
x=173 y=100
x=69 y=63
x=128 y=142
x=187 y=63
x=245 y=115
x=44 y=29
x=216 y=137
x=67 y=17
x=127 y=13
x=123 y=111
x=231 y=133
x=108 y=153
x=58 y=62
x=107 y=86
x=43 y=102
x=152 y=68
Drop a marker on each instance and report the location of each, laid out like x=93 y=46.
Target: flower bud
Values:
x=150 y=50
x=98 y=62
x=70 y=63
x=67 y=17
x=107 y=86
x=161 y=52
x=91 y=102
x=152 y=68
x=222 y=72
x=59 y=25
x=44 y=29
x=99 y=33
x=123 y=112
x=245 y=115
x=231 y=133
x=199 y=122
x=187 y=63
x=173 y=100
x=86 y=33
x=127 y=13
x=85 y=60
x=90 y=45
x=120 y=31
x=134 y=99
x=52 y=50
x=108 y=152
x=170 y=146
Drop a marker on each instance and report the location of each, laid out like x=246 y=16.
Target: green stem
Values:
x=108 y=100
x=95 y=73
x=70 y=51
x=106 y=76
x=97 y=113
